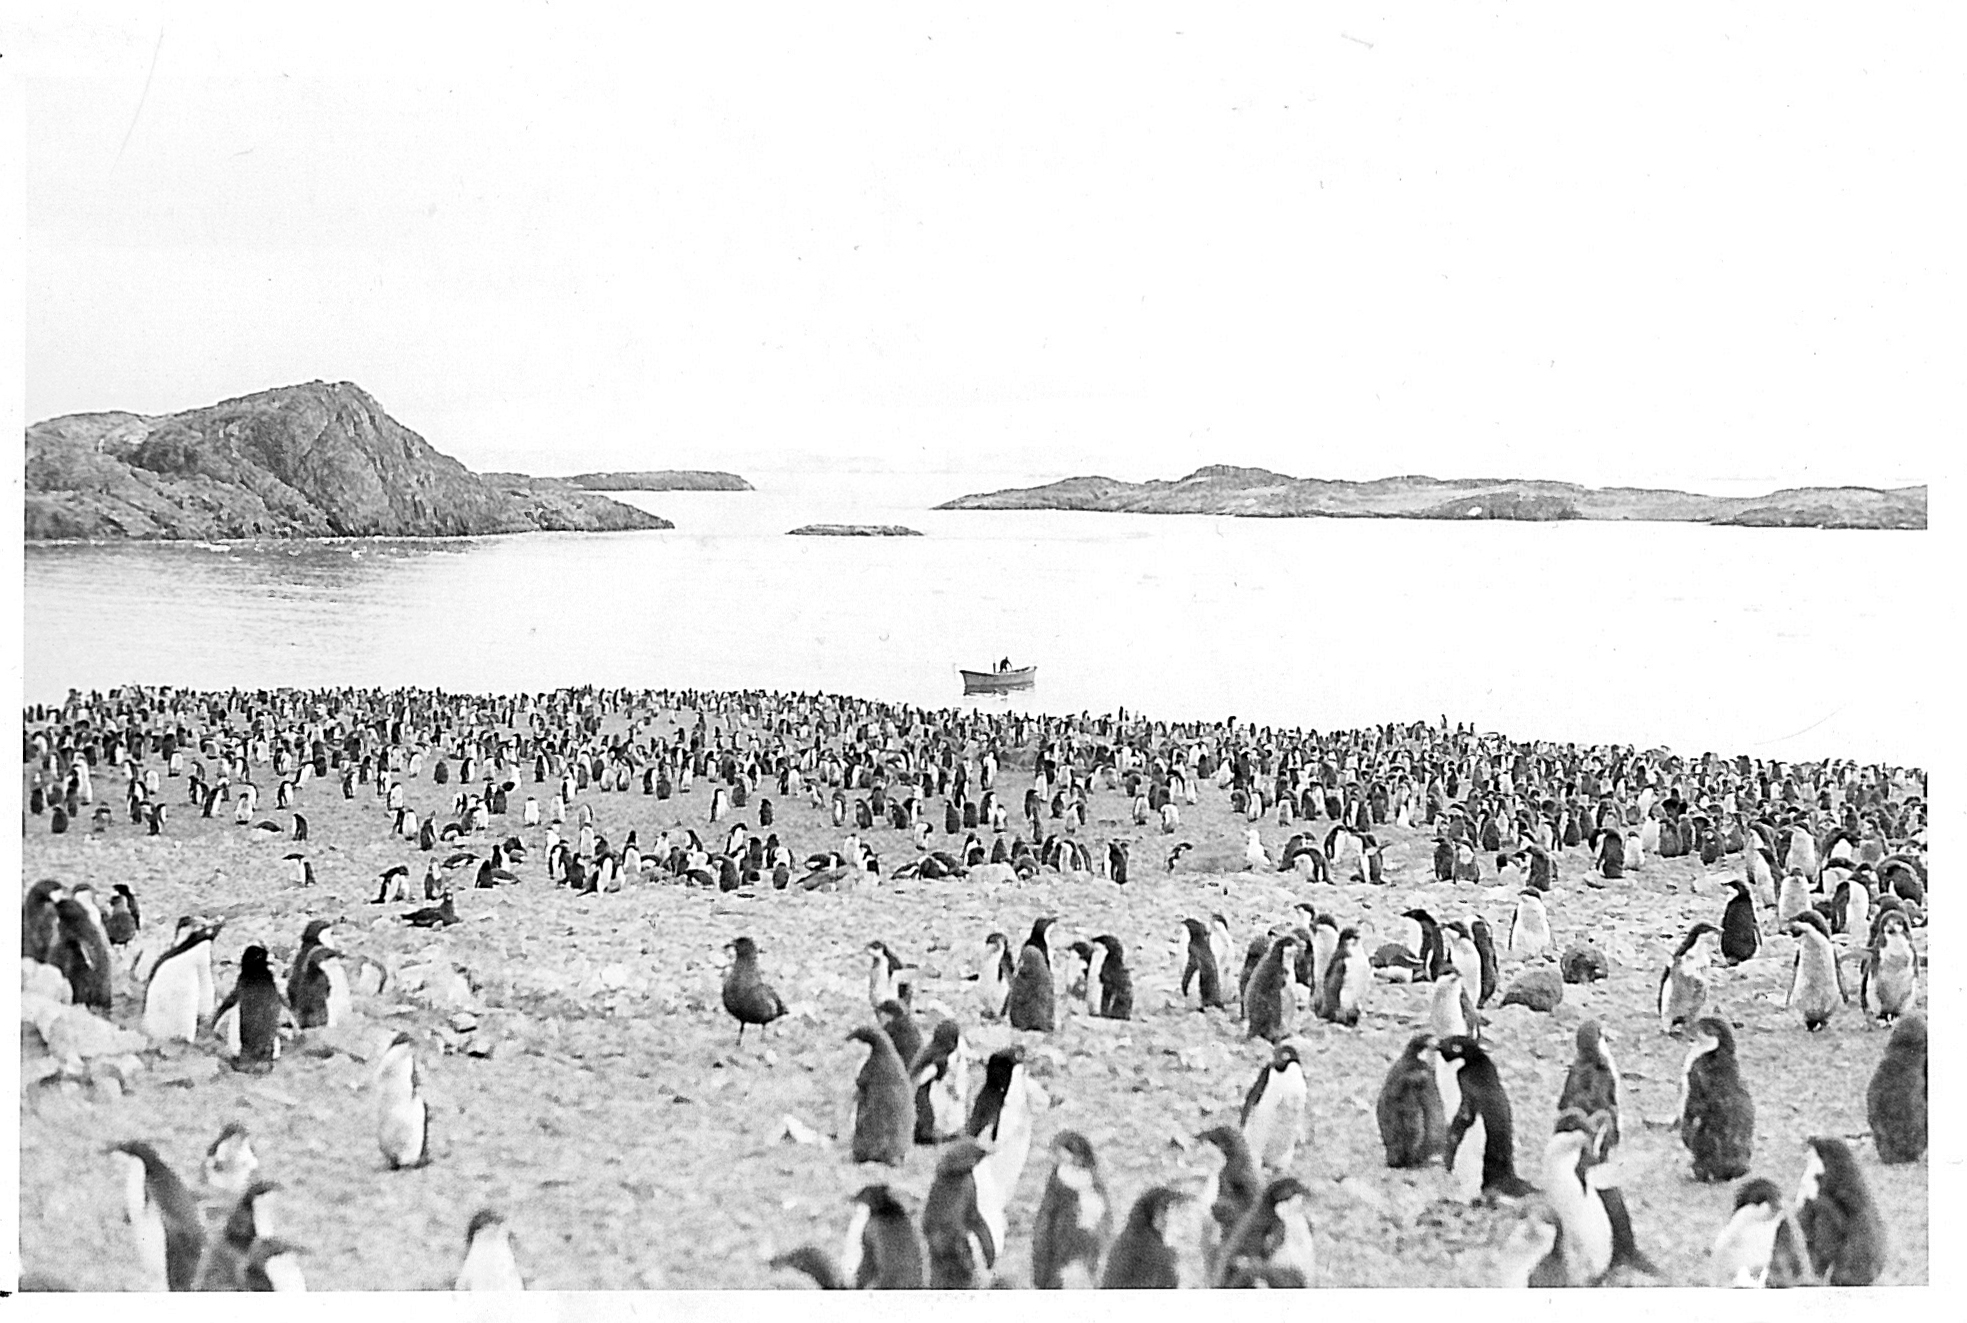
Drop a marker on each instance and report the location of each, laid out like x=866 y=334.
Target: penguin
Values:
x=940 y=1078
x=255 y=1039
x=1591 y=1212
x=1116 y=862
x=81 y=953
x=1816 y=987
x=1591 y=1086
x=1347 y=977
x=441 y=915
x=317 y=987
x=1324 y=945
x=994 y=976
x=1490 y=969
x=1254 y=857
x=1741 y=935
x=1267 y=1002
x=1272 y=1245
x=1717 y=1116
x=1413 y=1127
x=747 y=996
x=1074 y=1218
x=1451 y=1011
x=164 y=1218
x=125 y=919
x=886 y=974
x=1529 y=927
x=898 y=1022
x=881 y=1251
x=1274 y=1109
x=1480 y=1148
x=1201 y=969
x=225 y=1264
x=1425 y=941
x=38 y=921
x=488 y=1262
x=1464 y=956
x=1683 y=983
x=230 y=1162
x=1115 y=980
x=883 y=1119
x=402 y=1116
x=1895 y=1102
x=1842 y=1232
x=1891 y=970
x=1031 y=1004
x=1175 y=855
x=174 y=1000
x=1140 y=1257
x=1532 y=1254
x=1230 y=1191
x=1758 y=1245
x=1002 y=1121
x=961 y=1248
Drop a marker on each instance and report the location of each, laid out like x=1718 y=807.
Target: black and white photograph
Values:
x=693 y=648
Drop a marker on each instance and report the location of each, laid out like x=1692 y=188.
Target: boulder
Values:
x=76 y=1032
x=1584 y=964
x=39 y=980
x=1540 y=988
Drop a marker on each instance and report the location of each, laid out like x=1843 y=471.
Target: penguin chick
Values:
x=1742 y=1250
x=224 y=1265
x=1201 y=969
x=881 y=1251
x=1232 y=1188
x=81 y=952
x=1074 y=1218
x=1116 y=981
x=1413 y=1127
x=164 y=1218
x=1683 y=984
x=1816 y=989
x=255 y=1037
x=1841 y=1229
x=940 y=1079
x=1274 y=1109
x=1140 y=1257
x=402 y=1116
x=1591 y=1086
x=960 y=1245
x=1347 y=976
x=1274 y=1238
x=747 y=996
x=1895 y=1102
x=898 y=1022
x=1266 y=1000
x=1717 y=1119
x=883 y=1124
x=230 y=1161
x=488 y=1262
x=1032 y=1004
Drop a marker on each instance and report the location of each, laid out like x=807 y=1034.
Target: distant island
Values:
x=315 y=460
x=660 y=480
x=1221 y=489
x=853 y=530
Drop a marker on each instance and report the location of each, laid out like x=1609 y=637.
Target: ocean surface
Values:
x=1777 y=643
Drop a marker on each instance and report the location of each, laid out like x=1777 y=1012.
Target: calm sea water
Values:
x=1791 y=644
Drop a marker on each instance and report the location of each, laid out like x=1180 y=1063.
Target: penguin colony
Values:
x=1813 y=900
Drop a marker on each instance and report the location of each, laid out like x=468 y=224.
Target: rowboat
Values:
x=998 y=682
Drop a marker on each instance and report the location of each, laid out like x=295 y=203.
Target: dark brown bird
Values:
x=748 y=997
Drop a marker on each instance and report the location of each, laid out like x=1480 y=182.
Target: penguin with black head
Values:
x=883 y=1123
x=961 y=1247
x=254 y=1038
x=164 y=1218
x=1140 y=1257
x=1838 y=1219
x=938 y=1073
x=1274 y=1109
x=1717 y=1116
x=402 y=1115
x=39 y=922
x=176 y=996
x=994 y=975
x=1267 y=1001
x=1272 y=1246
x=1481 y=1143
x=1591 y=1086
x=1116 y=981
x=1684 y=982
x=317 y=986
x=81 y=953
x=1201 y=970
x=1348 y=975
x=898 y=1022
x=1075 y=1217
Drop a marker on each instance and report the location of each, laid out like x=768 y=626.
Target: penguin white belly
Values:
x=283 y=1273
x=1634 y=857
x=401 y=1131
x=1352 y=991
x=340 y=999
x=1466 y=1167
x=226 y=1027
x=147 y=1226
x=1587 y=1234
x=1275 y=1122
x=850 y=1247
x=1742 y=1250
x=170 y=1006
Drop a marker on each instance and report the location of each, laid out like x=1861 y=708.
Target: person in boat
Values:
x=1004 y=666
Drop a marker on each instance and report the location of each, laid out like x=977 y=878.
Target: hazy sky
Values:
x=1703 y=246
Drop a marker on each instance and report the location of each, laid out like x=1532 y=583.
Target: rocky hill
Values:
x=853 y=530
x=316 y=460
x=660 y=480
x=1260 y=493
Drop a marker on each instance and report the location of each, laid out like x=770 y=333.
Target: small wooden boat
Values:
x=998 y=682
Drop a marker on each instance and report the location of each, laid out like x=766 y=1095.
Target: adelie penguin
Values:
x=38 y=919
x=1201 y=970
x=1834 y=1212
x=898 y=1022
x=747 y=996
x=883 y=1122
x=1002 y=1120
x=125 y=919
x=1110 y=974
x=230 y=1161
x=175 y=999
x=1481 y=1142
x=1895 y=1102
x=1591 y=1086
x=1758 y=1246
x=402 y=1116
x=1032 y=1004
x=1683 y=984
x=1596 y=1229
x=1231 y=1188
x=254 y=1038
x=1140 y=1257
x=1267 y=1001
x=488 y=1261
x=939 y=1075
x=881 y=1250
x=1490 y=969
x=1741 y=935
x=164 y=1218
x=1529 y=927
x=81 y=953
x=994 y=973
x=318 y=987
x=1274 y=1109
x=1717 y=1116
x=1413 y=1126
x=1074 y=1218
x=887 y=975
x=1816 y=988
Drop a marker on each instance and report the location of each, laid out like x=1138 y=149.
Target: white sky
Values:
x=1706 y=246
